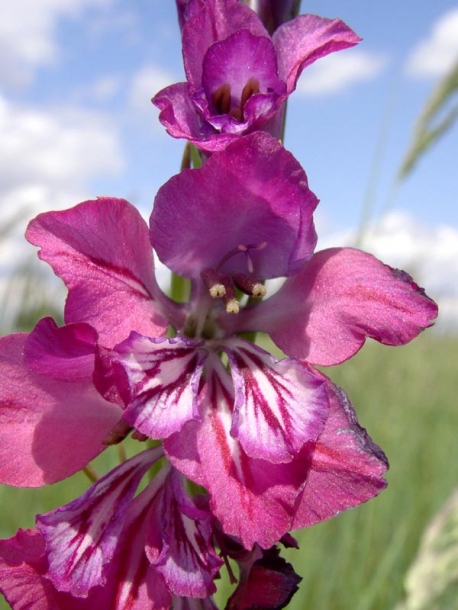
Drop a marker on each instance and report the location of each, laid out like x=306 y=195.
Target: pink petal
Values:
x=305 y=39
x=280 y=405
x=163 y=377
x=41 y=417
x=65 y=353
x=81 y=537
x=347 y=466
x=339 y=298
x=22 y=565
x=187 y=560
x=101 y=250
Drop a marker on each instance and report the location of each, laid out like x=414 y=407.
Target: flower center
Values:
x=224 y=104
x=223 y=287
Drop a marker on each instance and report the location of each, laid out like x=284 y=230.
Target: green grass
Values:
x=406 y=398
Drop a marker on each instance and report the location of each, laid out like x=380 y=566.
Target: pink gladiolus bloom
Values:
x=276 y=444
x=238 y=77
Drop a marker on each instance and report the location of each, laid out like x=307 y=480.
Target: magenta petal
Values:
x=179 y=117
x=268 y=584
x=101 y=250
x=65 y=353
x=35 y=434
x=340 y=297
x=347 y=466
x=163 y=377
x=279 y=405
x=255 y=194
x=81 y=537
x=187 y=560
x=305 y=39
x=214 y=21
x=225 y=64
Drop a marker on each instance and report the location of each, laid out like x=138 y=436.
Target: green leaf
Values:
x=429 y=128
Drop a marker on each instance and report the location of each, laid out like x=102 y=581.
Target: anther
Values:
x=249 y=285
x=222 y=99
x=230 y=299
x=214 y=282
x=251 y=87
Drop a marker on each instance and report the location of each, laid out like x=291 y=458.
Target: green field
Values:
x=406 y=398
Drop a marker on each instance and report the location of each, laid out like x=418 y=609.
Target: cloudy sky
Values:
x=76 y=120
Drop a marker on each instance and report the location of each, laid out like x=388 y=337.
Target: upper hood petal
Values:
x=251 y=207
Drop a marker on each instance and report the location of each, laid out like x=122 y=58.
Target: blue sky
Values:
x=76 y=119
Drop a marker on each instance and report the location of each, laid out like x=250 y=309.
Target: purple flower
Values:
x=275 y=444
x=238 y=77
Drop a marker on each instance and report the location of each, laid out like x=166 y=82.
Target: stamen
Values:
x=232 y=306
x=222 y=99
x=139 y=436
x=118 y=433
x=236 y=113
x=230 y=299
x=249 y=285
x=251 y=87
x=214 y=283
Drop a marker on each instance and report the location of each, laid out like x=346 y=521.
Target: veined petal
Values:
x=101 y=250
x=255 y=194
x=189 y=603
x=279 y=404
x=305 y=39
x=81 y=537
x=131 y=582
x=338 y=299
x=162 y=377
x=253 y=499
x=347 y=466
x=187 y=561
x=41 y=417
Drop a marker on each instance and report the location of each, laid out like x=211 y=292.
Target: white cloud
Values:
x=339 y=71
x=429 y=254
x=28 y=34
x=46 y=162
x=102 y=90
x=436 y=55
x=59 y=147
x=146 y=82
